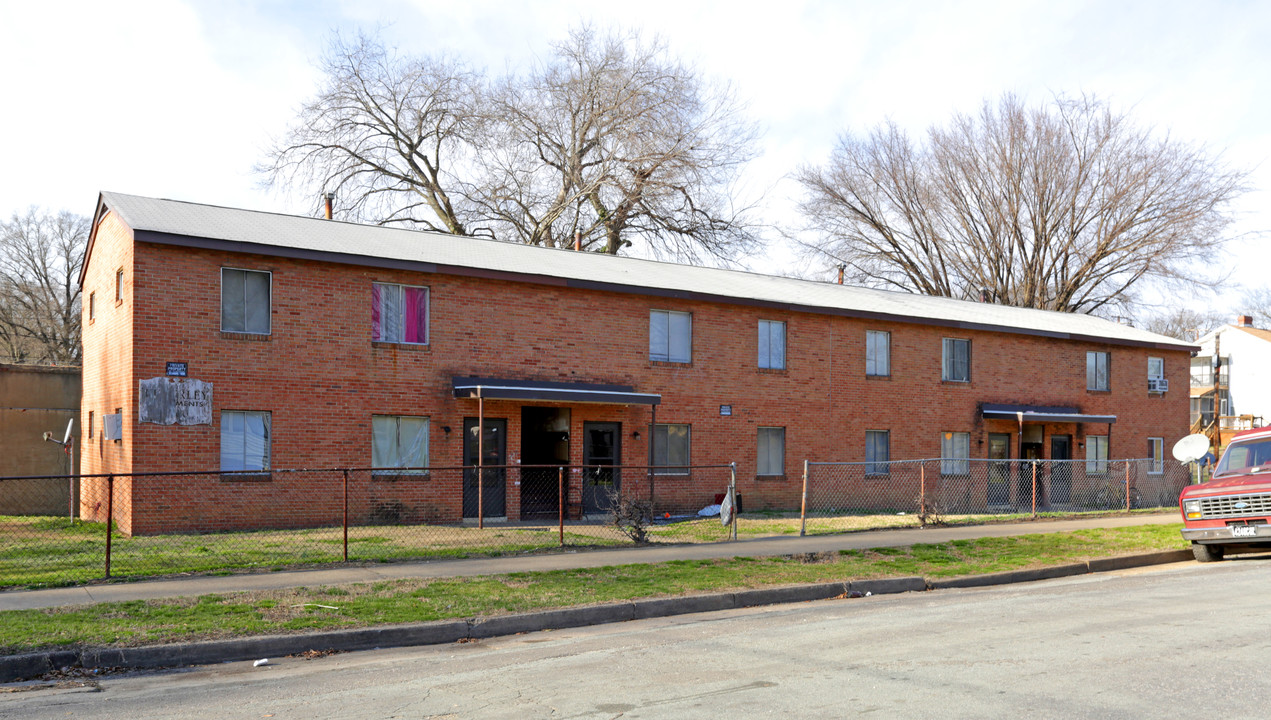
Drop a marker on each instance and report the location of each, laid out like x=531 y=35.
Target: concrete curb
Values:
x=19 y=667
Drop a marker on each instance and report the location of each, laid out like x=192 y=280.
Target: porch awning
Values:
x=505 y=389
x=1040 y=413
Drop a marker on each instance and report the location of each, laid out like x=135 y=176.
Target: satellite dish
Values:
x=1191 y=448
x=67 y=437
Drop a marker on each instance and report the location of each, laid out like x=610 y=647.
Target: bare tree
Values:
x=1183 y=323
x=612 y=141
x=1258 y=306
x=609 y=140
x=40 y=258
x=1065 y=206
x=384 y=134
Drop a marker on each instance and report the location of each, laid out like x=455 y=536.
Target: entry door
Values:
x=494 y=484
x=602 y=449
x=1061 y=472
x=999 y=487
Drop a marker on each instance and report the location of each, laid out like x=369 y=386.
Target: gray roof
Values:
x=173 y=221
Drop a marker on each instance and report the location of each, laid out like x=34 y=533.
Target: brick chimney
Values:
x=1244 y=321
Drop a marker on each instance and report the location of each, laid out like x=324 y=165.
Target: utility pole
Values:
x=1217 y=365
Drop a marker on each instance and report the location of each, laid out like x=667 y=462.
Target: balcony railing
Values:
x=1205 y=378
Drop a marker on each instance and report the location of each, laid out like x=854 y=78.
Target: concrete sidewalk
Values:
x=202 y=585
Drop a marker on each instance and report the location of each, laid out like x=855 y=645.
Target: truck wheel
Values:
x=1207 y=553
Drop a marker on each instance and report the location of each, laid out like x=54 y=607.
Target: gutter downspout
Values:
x=480 y=460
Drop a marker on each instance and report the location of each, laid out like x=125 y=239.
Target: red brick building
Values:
x=326 y=344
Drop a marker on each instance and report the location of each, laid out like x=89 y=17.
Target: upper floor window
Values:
x=1155 y=368
x=245 y=440
x=877 y=353
x=245 y=301
x=772 y=451
x=670 y=336
x=92 y=306
x=671 y=449
x=772 y=344
x=399 y=442
x=399 y=313
x=119 y=285
x=1097 y=367
x=956 y=362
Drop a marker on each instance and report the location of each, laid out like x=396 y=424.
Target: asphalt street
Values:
x=1166 y=641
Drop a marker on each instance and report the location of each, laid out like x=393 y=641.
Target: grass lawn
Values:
x=48 y=551
x=360 y=605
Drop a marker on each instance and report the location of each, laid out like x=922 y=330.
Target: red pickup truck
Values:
x=1232 y=512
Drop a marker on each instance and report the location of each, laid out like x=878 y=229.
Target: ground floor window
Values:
x=671 y=446
x=772 y=451
x=877 y=451
x=1096 y=454
x=399 y=442
x=955 y=453
x=1156 y=455
x=245 y=439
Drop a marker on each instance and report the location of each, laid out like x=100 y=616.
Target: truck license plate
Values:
x=1244 y=531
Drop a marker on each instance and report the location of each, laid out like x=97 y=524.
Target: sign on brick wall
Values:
x=175 y=401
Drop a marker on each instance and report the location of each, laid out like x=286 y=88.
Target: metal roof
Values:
x=508 y=389
x=185 y=223
x=1040 y=413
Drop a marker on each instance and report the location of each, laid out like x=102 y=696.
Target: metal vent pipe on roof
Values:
x=329 y=198
x=842 y=267
x=578 y=241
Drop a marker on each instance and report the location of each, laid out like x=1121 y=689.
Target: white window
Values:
x=670 y=336
x=399 y=314
x=955 y=451
x=1096 y=454
x=671 y=449
x=1155 y=368
x=1097 y=366
x=877 y=353
x=877 y=452
x=245 y=301
x=119 y=285
x=244 y=441
x=1156 y=455
x=956 y=363
x=772 y=344
x=399 y=442
x=772 y=451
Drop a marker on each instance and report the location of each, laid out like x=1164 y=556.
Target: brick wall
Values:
x=322 y=378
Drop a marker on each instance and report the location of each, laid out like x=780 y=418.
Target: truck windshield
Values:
x=1242 y=456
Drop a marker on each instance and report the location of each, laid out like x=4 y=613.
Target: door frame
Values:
x=494 y=483
x=593 y=501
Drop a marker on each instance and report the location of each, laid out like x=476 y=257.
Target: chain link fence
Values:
x=165 y=524
x=845 y=496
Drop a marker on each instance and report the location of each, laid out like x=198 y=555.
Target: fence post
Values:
x=1034 y=489
x=803 y=503
x=110 y=517
x=1127 y=486
x=732 y=496
x=922 y=494
x=560 y=502
x=346 y=515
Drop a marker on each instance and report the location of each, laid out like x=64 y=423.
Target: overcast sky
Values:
x=178 y=99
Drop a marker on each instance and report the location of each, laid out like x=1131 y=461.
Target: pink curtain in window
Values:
x=377 y=328
x=415 y=308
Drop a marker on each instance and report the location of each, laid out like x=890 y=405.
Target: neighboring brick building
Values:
x=333 y=344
